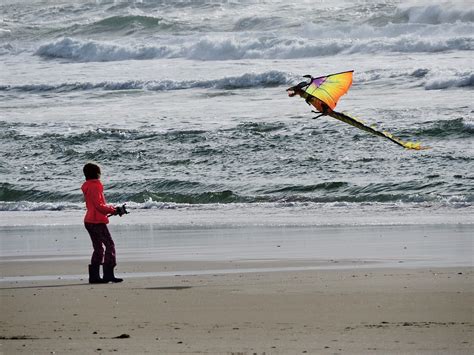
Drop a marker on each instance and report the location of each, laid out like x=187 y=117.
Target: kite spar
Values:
x=323 y=93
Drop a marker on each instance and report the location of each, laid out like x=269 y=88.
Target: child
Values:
x=95 y=222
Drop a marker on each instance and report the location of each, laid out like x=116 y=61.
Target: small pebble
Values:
x=122 y=336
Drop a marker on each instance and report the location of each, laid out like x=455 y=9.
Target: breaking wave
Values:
x=429 y=79
x=39 y=206
x=249 y=80
x=114 y=23
x=163 y=193
x=94 y=51
x=460 y=80
x=436 y=14
x=246 y=48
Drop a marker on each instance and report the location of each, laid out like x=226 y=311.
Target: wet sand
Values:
x=240 y=290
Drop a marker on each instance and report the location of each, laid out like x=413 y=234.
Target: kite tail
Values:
x=361 y=125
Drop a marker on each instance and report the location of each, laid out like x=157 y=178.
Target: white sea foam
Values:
x=435 y=14
x=407 y=29
x=247 y=48
x=150 y=204
x=451 y=81
x=407 y=44
x=245 y=81
x=94 y=51
x=426 y=78
x=4 y=32
x=39 y=206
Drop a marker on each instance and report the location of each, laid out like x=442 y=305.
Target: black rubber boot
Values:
x=94 y=275
x=109 y=274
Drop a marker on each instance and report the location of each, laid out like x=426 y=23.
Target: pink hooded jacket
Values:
x=97 y=208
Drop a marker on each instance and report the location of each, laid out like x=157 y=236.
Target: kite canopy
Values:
x=331 y=87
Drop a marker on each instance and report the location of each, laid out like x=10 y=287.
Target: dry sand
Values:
x=361 y=310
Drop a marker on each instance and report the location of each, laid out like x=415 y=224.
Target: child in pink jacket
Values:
x=95 y=221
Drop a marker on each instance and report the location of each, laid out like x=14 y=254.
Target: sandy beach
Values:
x=240 y=290
x=355 y=311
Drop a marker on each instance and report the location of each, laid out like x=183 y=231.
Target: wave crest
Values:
x=270 y=78
x=246 y=48
x=124 y=21
x=457 y=81
x=94 y=51
x=437 y=14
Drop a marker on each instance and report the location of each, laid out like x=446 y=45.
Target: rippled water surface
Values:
x=184 y=103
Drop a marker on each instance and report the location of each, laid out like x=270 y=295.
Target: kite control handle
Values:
x=119 y=210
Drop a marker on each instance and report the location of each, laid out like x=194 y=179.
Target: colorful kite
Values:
x=324 y=92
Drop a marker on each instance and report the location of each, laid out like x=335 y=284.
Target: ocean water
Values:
x=183 y=104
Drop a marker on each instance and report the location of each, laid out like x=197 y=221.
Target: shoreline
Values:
x=258 y=214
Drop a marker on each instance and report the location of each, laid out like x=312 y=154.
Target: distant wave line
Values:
x=236 y=49
x=159 y=193
x=245 y=81
x=424 y=77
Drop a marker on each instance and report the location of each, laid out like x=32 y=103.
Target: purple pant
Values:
x=100 y=237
